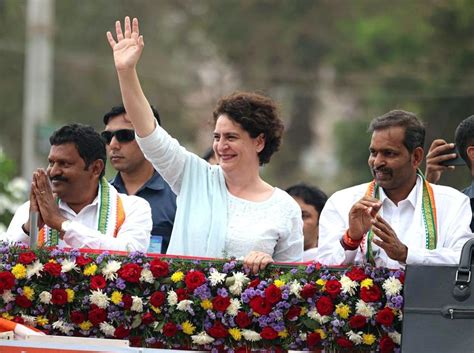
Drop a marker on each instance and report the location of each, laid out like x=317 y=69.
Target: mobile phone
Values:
x=453 y=161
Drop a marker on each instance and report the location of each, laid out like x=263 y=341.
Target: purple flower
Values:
x=222 y=292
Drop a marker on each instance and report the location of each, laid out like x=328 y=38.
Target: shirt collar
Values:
x=412 y=196
x=156 y=182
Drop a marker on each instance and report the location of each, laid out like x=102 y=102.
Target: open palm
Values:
x=129 y=45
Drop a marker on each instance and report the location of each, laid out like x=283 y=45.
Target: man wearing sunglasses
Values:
x=136 y=175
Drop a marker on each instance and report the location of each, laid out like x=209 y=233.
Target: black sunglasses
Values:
x=123 y=135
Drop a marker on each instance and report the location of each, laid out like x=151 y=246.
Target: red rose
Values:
x=385 y=317
x=260 y=305
x=218 y=330
x=273 y=294
x=18 y=320
x=293 y=312
x=27 y=258
x=356 y=274
x=194 y=279
x=325 y=306
x=182 y=294
x=130 y=273
x=82 y=261
x=269 y=333
x=313 y=339
x=98 y=282
x=23 y=301
x=127 y=301
x=77 y=317
x=159 y=268
x=333 y=287
x=344 y=342
x=242 y=319
x=402 y=277
x=97 y=315
x=357 y=321
x=242 y=350
x=308 y=291
x=59 y=296
x=7 y=281
x=157 y=299
x=121 y=332
x=135 y=341
x=371 y=294
x=254 y=283
x=170 y=329
x=147 y=318
x=386 y=345
x=53 y=268
x=220 y=303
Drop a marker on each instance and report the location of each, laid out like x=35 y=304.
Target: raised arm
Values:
x=127 y=49
x=436 y=155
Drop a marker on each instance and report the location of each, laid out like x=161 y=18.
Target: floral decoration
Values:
x=201 y=304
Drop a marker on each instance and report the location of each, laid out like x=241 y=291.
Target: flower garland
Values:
x=200 y=304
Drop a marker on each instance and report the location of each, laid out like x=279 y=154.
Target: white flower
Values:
x=216 y=277
x=233 y=308
x=400 y=315
x=295 y=288
x=239 y=279
x=99 y=298
x=364 y=309
x=110 y=270
x=202 y=338
x=137 y=304
x=395 y=336
x=348 y=286
x=251 y=336
x=107 y=329
x=34 y=269
x=172 y=298
x=63 y=326
x=146 y=276
x=356 y=338
x=392 y=286
x=7 y=296
x=45 y=297
x=236 y=288
x=303 y=336
x=313 y=314
x=185 y=305
x=29 y=320
x=68 y=265
x=18 y=187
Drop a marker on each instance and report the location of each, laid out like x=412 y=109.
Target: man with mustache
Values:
x=136 y=175
x=76 y=205
x=399 y=218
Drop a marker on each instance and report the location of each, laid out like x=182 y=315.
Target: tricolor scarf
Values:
x=110 y=217
x=428 y=213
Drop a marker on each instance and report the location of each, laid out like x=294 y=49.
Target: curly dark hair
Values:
x=88 y=142
x=257 y=115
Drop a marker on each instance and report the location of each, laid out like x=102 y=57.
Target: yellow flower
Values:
x=283 y=334
x=321 y=282
x=41 y=320
x=19 y=271
x=188 y=328
x=52 y=261
x=343 y=310
x=321 y=332
x=279 y=283
x=177 y=276
x=368 y=339
x=155 y=309
x=28 y=292
x=7 y=316
x=116 y=297
x=303 y=311
x=90 y=270
x=235 y=333
x=366 y=283
x=85 y=325
x=70 y=295
x=206 y=304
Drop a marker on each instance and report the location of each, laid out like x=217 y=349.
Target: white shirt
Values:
x=453 y=212
x=310 y=254
x=133 y=235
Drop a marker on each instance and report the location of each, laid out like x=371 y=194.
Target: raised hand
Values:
x=388 y=240
x=129 y=45
x=436 y=155
x=361 y=215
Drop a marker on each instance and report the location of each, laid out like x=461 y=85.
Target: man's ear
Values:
x=470 y=154
x=417 y=156
x=260 y=142
x=97 y=167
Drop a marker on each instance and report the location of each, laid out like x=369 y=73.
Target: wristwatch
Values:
x=65 y=226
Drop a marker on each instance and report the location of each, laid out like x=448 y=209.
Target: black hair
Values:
x=208 y=154
x=464 y=137
x=309 y=194
x=120 y=109
x=88 y=142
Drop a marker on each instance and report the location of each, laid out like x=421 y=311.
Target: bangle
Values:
x=348 y=243
x=24 y=229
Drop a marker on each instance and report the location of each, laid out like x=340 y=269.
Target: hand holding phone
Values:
x=452 y=161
